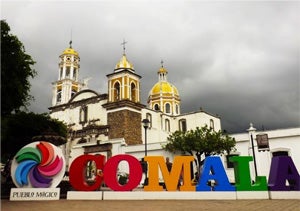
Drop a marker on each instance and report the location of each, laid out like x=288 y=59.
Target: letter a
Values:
x=282 y=169
x=213 y=169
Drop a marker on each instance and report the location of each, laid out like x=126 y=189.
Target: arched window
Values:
x=280 y=153
x=74 y=74
x=83 y=114
x=133 y=92
x=167 y=108
x=212 y=124
x=61 y=73
x=177 y=109
x=156 y=107
x=167 y=125
x=117 y=93
x=230 y=164
x=58 y=96
x=73 y=92
x=68 y=72
x=82 y=141
x=149 y=117
x=182 y=125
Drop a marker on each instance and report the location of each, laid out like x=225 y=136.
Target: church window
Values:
x=82 y=141
x=230 y=164
x=83 y=114
x=280 y=153
x=156 y=107
x=68 y=72
x=212 y=124
x=167 y=108
x=61 y=73
x=177 y=109
x=74 y=74
x=149 y=117
x=117 y=93
x=58 y=96
x=167 y=125
x=182 y=125
x=73 y=92
x=133 y=92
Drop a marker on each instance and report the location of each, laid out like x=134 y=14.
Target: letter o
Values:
x=77 y=172
x=110 y=173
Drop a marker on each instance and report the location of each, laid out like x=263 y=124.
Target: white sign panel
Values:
x=32 y=194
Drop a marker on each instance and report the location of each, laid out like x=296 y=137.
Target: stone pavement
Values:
x=152 y=205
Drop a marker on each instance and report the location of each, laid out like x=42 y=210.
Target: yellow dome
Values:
x=70 y=51
x=124 y=63
x=163 y=87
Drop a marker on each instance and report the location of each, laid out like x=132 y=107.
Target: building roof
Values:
x=124 y=64
x=70 y=51
x=163 y=87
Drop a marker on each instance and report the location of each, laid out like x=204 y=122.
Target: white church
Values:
x=112 y=123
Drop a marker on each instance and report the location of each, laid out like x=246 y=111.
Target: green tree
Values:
x=19 y=129
x=200 y=143
x=16 y=69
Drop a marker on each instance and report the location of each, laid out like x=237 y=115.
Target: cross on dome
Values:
x=124 y=43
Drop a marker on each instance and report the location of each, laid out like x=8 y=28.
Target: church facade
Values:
x=111 y=123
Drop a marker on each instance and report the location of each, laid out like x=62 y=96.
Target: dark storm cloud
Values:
x=239 y=60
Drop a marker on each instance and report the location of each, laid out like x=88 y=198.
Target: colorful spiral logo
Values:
x=38 y=165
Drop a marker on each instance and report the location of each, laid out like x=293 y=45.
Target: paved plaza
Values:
x=153 y=205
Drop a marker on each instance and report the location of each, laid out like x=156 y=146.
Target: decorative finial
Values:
x=162 y=63
x=251 y=129
x=123 y=43
x=71 y=40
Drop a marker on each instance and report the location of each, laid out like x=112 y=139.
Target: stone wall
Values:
x=125 y=124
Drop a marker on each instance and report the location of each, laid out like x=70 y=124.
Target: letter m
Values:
x=181 y=168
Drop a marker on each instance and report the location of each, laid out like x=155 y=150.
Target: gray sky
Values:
x=240 y=60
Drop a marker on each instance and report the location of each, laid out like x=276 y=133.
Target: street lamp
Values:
x=251 y=130
x=146 y=124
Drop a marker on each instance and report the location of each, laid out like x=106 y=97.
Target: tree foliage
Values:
x=200 y=143
x=19 y=129
x=15 y=72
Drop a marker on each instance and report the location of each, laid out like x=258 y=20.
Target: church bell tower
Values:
x=123 y=106
x=67 y=84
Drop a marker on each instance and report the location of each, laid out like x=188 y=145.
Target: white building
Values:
x=280 y=142
x=111 y=123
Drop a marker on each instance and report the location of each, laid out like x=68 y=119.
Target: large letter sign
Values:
x=111 y=168
x=77 y=172
x=242 y=175
x=213 y=169
x=283 y=169
x=181 y=168
x=40 y=166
